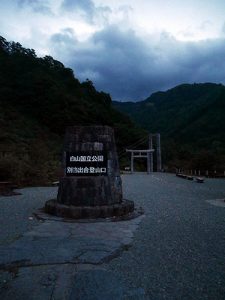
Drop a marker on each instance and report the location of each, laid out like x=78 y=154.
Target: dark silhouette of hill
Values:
x=39 y=98
x=190 y=118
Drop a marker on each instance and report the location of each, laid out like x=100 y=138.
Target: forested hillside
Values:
x=190 y=118
x=39 y=98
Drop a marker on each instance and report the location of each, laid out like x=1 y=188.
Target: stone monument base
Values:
x=89 y=212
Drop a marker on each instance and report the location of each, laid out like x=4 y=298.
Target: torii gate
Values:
x=148 y=153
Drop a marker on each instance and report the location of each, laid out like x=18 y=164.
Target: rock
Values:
x=91 y=186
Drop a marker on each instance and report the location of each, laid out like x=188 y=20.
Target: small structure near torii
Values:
x=148 y=154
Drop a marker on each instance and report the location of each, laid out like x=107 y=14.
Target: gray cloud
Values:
x=65 y=41
x=205 y=25
x=130 y=68
x=116 y=59
x=86 y=8
x=38 y=6
x=223 y=29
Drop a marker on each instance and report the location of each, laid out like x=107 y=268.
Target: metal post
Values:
x=150 y=154
x=158 y=153
x=148 y=163
x=132 y=163
x=151 y=161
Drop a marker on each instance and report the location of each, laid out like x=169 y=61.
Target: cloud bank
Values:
x=102 y=42
x=131 y=68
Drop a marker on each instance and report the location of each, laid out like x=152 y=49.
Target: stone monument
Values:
x=91 y=185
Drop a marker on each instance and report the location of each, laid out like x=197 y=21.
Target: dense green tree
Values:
x=190 y=118
x=39 y=98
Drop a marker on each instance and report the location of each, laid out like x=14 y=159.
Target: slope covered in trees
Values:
x=39 y=98
x=190 y=118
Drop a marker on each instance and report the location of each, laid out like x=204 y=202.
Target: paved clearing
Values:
x=178 y=250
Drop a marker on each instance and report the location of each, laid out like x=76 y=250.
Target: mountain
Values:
x=39 y=98
x=190 y=118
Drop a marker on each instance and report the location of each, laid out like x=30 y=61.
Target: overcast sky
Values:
x=128 y=48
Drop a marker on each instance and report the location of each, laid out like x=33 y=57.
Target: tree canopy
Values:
x=39 y=98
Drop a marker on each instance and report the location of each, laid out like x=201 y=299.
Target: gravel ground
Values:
x=179 y=249
x=16 y=211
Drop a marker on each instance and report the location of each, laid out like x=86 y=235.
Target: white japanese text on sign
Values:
x=86 y=164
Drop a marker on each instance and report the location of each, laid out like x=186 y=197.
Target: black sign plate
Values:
x=86 y=163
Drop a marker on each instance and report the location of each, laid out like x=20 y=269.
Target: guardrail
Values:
x=188 y=177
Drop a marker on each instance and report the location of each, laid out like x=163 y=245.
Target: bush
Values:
x=13 y=168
